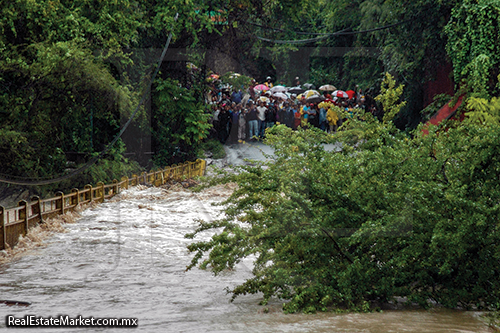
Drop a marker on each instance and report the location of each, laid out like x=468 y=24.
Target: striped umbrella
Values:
x=340 y=93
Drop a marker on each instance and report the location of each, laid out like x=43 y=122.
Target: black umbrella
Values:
x=296 y=90
x=315 y=99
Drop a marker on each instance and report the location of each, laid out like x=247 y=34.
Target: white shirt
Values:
x=216 y=115
x=261 y=113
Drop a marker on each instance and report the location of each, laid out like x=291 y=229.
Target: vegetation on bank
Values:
x=391 y=215
x=211 y=148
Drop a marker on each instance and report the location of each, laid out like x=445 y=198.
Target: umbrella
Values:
x=340 y=93
x=214 y=76
x=296 y=90
x=261 y=87
x=309 y=86
x=315 y=99
x=280 y=95
x=234 y=75
x=264 y=99
x=278 y=89
x=310 y=93
x=350 y=93
x=327 y=87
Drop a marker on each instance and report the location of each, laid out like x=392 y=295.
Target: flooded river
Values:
x=127 y=258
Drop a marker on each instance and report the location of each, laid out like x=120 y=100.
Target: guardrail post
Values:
x=75 y=200
x=199 y=170
x=36 y=208
x=125 y=182
x=23 y=214
x=60 y=202
x=88 y=195
x=101 y=191
x=168 y=174
x=115 y=187
x=173 y=169
x=4 y=231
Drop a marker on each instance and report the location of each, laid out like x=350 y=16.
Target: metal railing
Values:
x=16 y=221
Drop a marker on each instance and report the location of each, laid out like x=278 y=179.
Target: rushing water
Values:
x=127 y=258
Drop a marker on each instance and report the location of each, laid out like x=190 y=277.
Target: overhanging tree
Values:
x=387 y=216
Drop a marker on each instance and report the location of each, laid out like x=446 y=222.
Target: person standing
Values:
x=253 y=121
x=270 y=115
x=313 y=115
x=242 y=122
x=269 y=82
x=233 y=128
x=332 y=118
x=305 y=114
x=224 y=121
x=261 y=115
x=297 y=115
x=282 y=113
x=289 y=115
x=251 y=89
x=322 y=119
x=236 y=96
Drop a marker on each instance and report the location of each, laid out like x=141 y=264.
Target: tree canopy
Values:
x=71 y=73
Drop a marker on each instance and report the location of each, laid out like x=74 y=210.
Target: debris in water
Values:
x=14 y=303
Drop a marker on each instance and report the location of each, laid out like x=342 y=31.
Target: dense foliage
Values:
x=72 y=73
x=387 y=216
x=473 y=45
x=180 y=123
x=70 y=77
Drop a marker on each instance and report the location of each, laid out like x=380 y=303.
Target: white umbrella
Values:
x=327 y=87
x=280 y=95
x=278 y=89
x=309 y=93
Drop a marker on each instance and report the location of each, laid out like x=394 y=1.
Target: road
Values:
x=236 y=154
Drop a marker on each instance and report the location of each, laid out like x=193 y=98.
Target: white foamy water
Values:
x=127 y=258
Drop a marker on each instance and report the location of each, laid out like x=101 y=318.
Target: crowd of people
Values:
x=243 y=116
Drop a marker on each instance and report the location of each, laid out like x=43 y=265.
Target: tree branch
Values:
x=337 y=245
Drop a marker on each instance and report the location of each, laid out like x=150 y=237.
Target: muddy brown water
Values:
x=127 y=258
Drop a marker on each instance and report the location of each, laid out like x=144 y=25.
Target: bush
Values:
x=389 y=216
x=213 y=147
